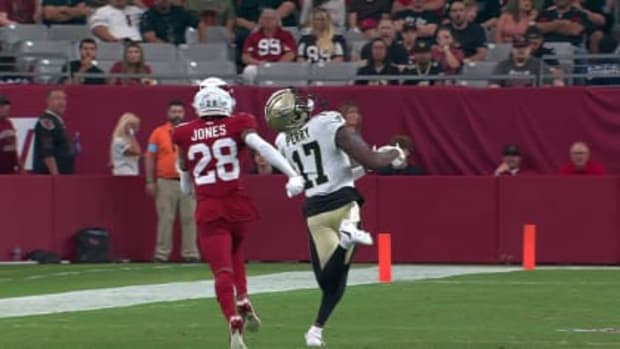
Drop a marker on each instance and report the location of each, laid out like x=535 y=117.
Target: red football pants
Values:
x=221 y=245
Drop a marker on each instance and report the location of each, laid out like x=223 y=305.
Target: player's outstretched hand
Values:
x=295 y=186
x=399 y=160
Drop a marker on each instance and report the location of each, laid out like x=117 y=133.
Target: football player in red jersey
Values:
x=209 y=165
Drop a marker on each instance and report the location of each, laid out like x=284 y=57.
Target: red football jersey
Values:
x=211 y=148
x=269 y=49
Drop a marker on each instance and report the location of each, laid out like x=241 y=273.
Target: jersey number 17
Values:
x=313 y=150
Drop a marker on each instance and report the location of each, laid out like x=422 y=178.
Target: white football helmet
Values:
x=213 y=82
x=221 y=84
x=213 y=101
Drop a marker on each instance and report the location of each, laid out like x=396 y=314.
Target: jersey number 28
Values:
x=224 y=152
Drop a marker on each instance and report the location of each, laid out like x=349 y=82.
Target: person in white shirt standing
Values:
x=125 y=150
x=117 y=21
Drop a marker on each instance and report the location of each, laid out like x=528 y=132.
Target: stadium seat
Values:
x=354 y=35
x=28 y=52
x=159 y=52
x=104 y=65
x=48 y=70
x=174 y=74
x=108 y=51
x=283 y=74
x=477 y=69
x=322 y=74
x=226 y=70
x=191 y=36
x=205 y=52
x=69 y=32
x=11 y=35
x=498 y=52
x=564 y=50
x=355 y=48
x=217 y=34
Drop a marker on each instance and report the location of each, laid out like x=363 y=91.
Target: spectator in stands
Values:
x=336 y=8
x=484 y=12
x=213 y=13
x=605 y=71
x=125 y=151
x=322 y=44
x=522 y=64
x=9 y=156
x=250 y=11
x=409 y=37
x=450 y=58
x=262 y=166
x=53 y=151
x=20 y=12
x=352 y=116
x=408 y=168
x=536 y=39
x=413 y=11
x=84 y=65
x=379 y=63
x=424 y=65
x=369 y=28
x=64 y=11
x=515 y=23
x=117 y=21
x=511 y=161
x=133 y=63
x=270 y=43
x=165 y=22
x=563 y=23
x=538 y=5
x=580 y=163
x=595 y=13
x=396 y=53
x=470 y=36
x=360 y=10
x=162 y=183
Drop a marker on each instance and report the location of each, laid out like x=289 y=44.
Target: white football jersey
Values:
x=313 y=152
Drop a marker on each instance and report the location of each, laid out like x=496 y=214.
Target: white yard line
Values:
x=178 y=291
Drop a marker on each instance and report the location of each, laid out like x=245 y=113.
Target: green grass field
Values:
x=506 y=310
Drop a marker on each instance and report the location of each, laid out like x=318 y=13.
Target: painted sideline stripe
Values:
x=177 y=291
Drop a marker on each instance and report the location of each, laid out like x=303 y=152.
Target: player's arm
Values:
x=266 y=150
x=352 y=143
x=296 y=183
x=187 y=187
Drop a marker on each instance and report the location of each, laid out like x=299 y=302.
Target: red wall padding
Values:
x=432 y=219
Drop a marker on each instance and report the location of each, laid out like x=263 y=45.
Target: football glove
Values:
x=399 y=161
x=295 y=186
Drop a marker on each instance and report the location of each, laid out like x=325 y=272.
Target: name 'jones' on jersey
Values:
x=313 y=151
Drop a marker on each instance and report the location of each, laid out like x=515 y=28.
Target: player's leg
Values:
x=216 y=245
x=244 y=306
x=166 y=204
x=333 y=236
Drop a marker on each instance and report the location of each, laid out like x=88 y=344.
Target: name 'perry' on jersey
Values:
x=312 y=150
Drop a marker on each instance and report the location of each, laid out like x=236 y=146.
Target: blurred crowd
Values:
x=409 y=39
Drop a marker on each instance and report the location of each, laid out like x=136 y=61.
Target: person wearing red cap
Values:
x=580 y=163
x=9 y=159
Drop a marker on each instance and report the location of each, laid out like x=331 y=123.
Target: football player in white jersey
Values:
x=322 y=148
